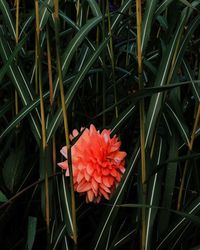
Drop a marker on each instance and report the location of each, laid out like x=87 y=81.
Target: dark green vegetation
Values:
x=91 y=57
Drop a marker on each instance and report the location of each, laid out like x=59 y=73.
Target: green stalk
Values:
x=49 y=68
x=104 y=78
x=112 y=57
x=77 y=11
x=59 y=68
x=44 y=145
x=17 y=40
x=142 y=118
x=97 y=74
x=51 y=95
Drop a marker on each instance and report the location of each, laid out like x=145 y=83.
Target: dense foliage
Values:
x=129 y=66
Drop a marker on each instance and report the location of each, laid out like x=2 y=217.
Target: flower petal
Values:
x=119 y=156
x=80 y=176
x=63 y=165
x=90 y=195
x=97 y=177
x=63 y=151
x=89 y=169
x=94 y=184
x=104 y=194
x=83 y=187
x=106 y=181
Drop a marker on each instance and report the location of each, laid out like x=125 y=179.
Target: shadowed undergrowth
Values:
x=128 y=66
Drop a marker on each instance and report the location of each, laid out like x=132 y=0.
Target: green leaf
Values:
x=111 y=211
x=177 y=227
x=44 y=12
x=122 y=10
x=12 y=58
x=17 y=76
x=161 y=80
x=147 y=22
x=179 y=122
x=169 y=184
x=32 y=225
x=22 y=114
x=3 y=198
x=95 y=8
x=185 y=215
x=195 y=248
x=73 y=45
x=163 y=6
x=154 y=187
x=13 y=168
x=4 y=108
x=61 y=231
x=4 y=7
x=195 y=87
x=55 y=122
x=66 y=206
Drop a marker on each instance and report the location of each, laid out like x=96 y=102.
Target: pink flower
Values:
x=97 y=163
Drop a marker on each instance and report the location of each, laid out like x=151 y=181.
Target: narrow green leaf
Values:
x=73 y=45
x=73 y=88
x=193 y=209
x=20 y=116
x=195 y=248
x=122 y=10
x=19 y=79
x=169 y=184
x=179 y=122
x=163 y=6
x=95 y=8
x=122 y=118
x=3 y=198
x=153 y=197
x=185 y=215
x=147 y=22
x=66 y=208
x=193 y=25
x=12 y=58
x=186 y=3
x=195 y=87
x=5 y=9
x=59 y=236
x=44 y=12
x=4 y=108
x=13 y=169
x=32 y=225
x=161 y=80
x=111 y=212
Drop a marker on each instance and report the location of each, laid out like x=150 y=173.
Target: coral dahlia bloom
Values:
x=97 y=163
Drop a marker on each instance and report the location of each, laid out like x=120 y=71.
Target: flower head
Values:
x=97 y=163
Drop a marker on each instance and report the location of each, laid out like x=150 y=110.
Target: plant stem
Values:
x=142 y=118
x=39 y=78
x=49 y=68
x=112 y=57
x=104 y=68
x=17 y=39
x=58 y=60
